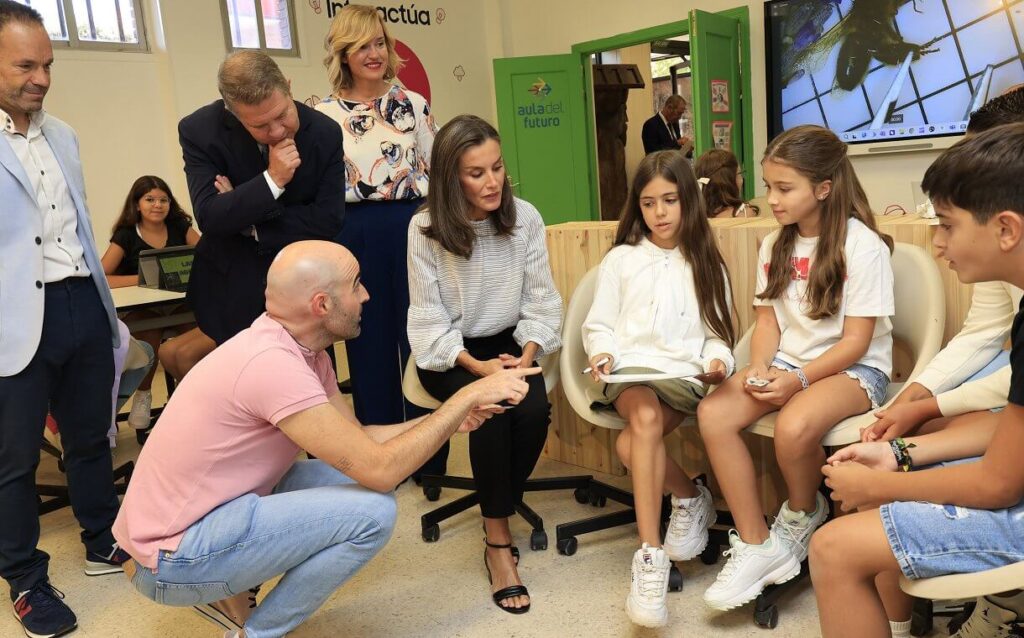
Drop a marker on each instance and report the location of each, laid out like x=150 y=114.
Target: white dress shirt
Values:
x=63 y=255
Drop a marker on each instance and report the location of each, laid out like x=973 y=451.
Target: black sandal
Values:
x=515 y=550
x=507 y=592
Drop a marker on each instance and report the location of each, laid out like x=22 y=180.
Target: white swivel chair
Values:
x=918 y=325
x=430 y=522
x=959 y=587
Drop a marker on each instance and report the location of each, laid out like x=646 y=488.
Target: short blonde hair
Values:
x=352 y=27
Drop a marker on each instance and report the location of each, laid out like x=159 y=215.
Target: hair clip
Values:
x=702 y=182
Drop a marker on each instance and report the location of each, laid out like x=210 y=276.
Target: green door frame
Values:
x=661 y=32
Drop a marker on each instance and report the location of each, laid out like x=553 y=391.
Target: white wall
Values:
x=542 y=27
x=126 y=106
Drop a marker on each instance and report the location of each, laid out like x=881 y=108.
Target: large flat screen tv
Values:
x=889 y=74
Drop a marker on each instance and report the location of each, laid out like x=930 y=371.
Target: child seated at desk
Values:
x=151 y=218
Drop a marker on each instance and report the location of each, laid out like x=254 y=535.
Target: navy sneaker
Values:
x=42 y=612
x=110 y=563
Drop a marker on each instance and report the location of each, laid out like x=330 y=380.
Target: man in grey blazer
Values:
x=57 y=330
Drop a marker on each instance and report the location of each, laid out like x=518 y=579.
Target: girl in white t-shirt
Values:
x=821 y=351
x=662 y=306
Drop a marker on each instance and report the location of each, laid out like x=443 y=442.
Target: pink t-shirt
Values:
x=218 y=439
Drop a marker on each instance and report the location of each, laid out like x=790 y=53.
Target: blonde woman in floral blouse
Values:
x=388 y=133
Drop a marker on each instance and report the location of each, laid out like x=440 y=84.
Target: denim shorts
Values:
x=871 y=379
x=933 y=540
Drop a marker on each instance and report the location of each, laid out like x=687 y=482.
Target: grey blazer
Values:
x=21 y=255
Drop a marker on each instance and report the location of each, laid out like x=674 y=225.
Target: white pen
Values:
x=590 y=369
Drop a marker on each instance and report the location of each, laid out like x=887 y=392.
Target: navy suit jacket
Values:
x=229 y=274
x=656 y=137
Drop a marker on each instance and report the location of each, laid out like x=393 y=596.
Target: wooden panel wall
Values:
x=576 y=247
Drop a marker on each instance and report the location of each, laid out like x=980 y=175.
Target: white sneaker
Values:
x=795 y=528
x=687 y=533
x=645 y=604
x=142 y=404
x=989 y=620
x=749 y=570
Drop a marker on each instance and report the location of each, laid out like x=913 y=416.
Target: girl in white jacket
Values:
x=661 y=309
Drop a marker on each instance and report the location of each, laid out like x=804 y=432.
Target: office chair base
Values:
x=430 y=527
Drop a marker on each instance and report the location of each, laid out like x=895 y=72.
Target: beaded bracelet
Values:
x=901 y=450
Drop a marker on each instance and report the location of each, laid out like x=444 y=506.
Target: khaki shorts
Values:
x=676 y=393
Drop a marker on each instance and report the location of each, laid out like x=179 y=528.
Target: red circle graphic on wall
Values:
x=413 y=75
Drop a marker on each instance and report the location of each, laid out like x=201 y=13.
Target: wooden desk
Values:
x=132 y=298
x=576 y=247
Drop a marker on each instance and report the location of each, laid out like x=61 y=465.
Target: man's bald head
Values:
x=314 y=285
x=307 y=267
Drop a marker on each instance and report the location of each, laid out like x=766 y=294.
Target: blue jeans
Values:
x=319 y=527
x=930 y=539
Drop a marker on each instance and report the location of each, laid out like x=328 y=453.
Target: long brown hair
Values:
x=720 y=167
x=817 y=154
x=696 y=241
x=446 y=203
x=130 y=211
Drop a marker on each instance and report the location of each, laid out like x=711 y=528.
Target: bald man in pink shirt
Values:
x=218 y=504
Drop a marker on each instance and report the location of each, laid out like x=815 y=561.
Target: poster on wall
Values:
x=721 y=132
x=719 y=96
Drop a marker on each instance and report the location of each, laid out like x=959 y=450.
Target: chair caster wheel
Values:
x=768 y=617
x=432 y=493
x=538 y=540
x=675 y=579
x=598 y=500
x=710 y=554
x=582 y=495
x=432 y=533
x=567 y=546
x=921 y=618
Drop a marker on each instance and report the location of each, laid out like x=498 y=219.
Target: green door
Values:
x=543 y=133
x=717 y=93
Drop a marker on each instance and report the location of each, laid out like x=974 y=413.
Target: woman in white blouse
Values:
x=388 y=134
x=482 y=299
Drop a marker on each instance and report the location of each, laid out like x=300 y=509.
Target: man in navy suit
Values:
x=263 y=171
x=661 y=132
x=57 y=331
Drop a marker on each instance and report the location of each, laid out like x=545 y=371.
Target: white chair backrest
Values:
x=417 y=394
x=574 y=357
x=920 y=317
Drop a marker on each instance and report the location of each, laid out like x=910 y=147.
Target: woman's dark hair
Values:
x=696 y=241
x=130 y=211
x=820 y=156
x=720 y=168
x=446 y=202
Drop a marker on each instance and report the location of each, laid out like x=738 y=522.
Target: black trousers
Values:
x=505 y=449
x=71 y=375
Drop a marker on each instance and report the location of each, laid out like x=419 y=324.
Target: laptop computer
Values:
x=166 y=268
